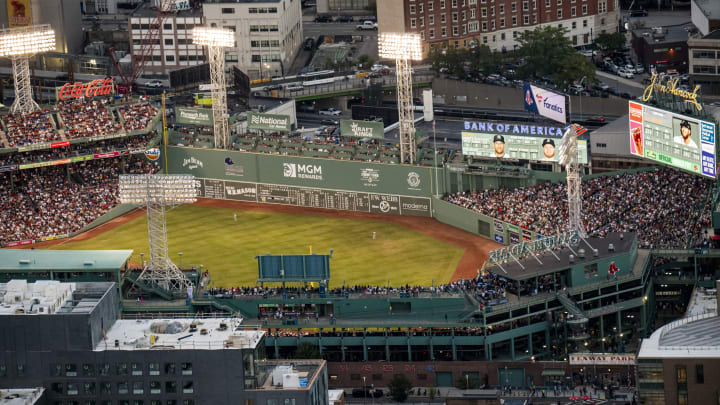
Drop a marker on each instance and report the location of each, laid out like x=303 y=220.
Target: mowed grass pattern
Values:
x=210 y=236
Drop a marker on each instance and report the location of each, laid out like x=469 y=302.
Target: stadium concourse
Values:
x=668 y=208
x=59 y=171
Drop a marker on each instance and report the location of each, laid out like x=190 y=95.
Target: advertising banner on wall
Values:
x=676 y=140
x=194 y=116
x=19 y=13
x=494 y=145
x=268 y=122
x=545 y=102
x=362 y=129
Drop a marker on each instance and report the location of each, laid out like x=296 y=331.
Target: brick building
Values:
x=496 y=23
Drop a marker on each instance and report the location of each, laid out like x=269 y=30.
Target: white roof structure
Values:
x=695 y=336
x=43 y=297
x=23 y=396
x=179 y=334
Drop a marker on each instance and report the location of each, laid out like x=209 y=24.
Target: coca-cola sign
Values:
x=95 y=88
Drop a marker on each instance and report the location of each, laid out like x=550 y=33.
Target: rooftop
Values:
x=48 y=297
x=711 y=8
x=149 y=10
x=185 y=334
x=694 y=337
x=23 y=396
x=622 y=242
x=670 y=34
x=241 y=1
x=70 y=260
x=288 y=374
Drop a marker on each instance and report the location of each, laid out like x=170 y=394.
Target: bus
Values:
x=203 y=98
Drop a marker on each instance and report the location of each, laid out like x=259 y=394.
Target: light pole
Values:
x=19 y=44
x=364 y=392
x=217 y=39
x=403 y=48
x=180 y=254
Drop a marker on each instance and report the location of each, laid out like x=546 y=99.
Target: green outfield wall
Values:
x=307 y=182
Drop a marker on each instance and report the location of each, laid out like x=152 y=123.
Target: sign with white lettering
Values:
x=526 y=248
x=602 y=359
x=546 y=103
x=268 y=122
x=194 y=116
x=362 y=129
x=95 y=88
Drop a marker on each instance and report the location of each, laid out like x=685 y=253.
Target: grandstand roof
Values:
x=694 y=337
x=95 y=260
x=622 y=242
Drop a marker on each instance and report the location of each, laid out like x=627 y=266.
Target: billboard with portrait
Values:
x=673 y=139
x=502 y=146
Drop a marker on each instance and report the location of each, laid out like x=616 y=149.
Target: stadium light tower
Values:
x=19 y=44
x=158 y=192
x=217 y=39
x=568 y=157
x=403 y=48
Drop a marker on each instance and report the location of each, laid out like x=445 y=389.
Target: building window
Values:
x=492 y=11
x=412 y=9
x=584 y=23
x=455 y=31
x=514 y=21
x=188 y=387
x=154 y=368
x=105 y=388
x=472 y=2
x=525 y=6
x=699 y=374
x=137 y=367
x=472 y=13
x=71 y=370
x=138 y=388
x=559 y=2
x=229 y=10
x=464 y=16
x=422 y=21
x=484 y=26
x=602 y=21
x=526 y=19
x=442 y=19
x=502 y=23
x=574 y=25
x=455 y=17
x=492 y=25
x=122 y=388
x=168 y=42
x=413 y=23
x=57 y=388
x=584 y=9
x=420 y=8
x=121 y=369
x=513 y=7
x=502 y=9
x=443 y=32
x=559 y=14
x=88 y=370
x=483 y=12
x=473 y=26
x=602 y=7
x=485 y=41
x=703 y=54
x=167 y=26
x=431 y=20
x=170 y=367
x=573 y=13
x=430 y=6
x=502 y=36
x=89 y=388
x=72 y=389
x=704 y=69
x=454 y=3
x=432 y=33
x=168 y=58
x=170 y=387
x=55 y=370
x=442 y=4
x=155 y=387
x=186 y=368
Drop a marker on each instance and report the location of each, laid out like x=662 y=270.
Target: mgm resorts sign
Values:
x=526 y=248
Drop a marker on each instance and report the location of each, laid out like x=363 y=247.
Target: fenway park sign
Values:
x=95 y=88
x=602 y=359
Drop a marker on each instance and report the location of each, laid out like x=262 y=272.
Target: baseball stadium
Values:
x=473 y=265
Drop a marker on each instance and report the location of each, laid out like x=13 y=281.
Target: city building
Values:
x=705 y=14
x=344 y=6
x=22 y=396
x=268 y=33
x=663 y=47
x=464 y=23
x=679 y=363
x=108 y=6
x=67 y=338
x=703 y=54
x=173 y=46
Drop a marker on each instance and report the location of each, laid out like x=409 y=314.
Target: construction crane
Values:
x=149 y=42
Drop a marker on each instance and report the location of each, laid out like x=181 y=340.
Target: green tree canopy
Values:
x=399 y=387
x=307 y=350
x=610 y=42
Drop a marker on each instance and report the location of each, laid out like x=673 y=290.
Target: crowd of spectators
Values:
x=58 y=200
x=137 y=116
x=87 y=118
x=24 y=129
x=667 y=208
x=108 y=145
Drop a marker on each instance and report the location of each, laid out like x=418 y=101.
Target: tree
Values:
x=307 y=350
x=544 y=50
x=365 y=61
x=466 y=382
x=483 y=59
x=432 y=393
x=399 y=387
x=575 y=67
x=610 y=42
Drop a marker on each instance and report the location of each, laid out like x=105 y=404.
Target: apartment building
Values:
x=496 y=23
x=268 y=33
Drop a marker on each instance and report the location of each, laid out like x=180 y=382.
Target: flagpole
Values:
x=437 y=189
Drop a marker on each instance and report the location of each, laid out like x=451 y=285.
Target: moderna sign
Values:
x=544 y=102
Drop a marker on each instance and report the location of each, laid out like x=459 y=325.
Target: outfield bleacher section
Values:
x=325 y=147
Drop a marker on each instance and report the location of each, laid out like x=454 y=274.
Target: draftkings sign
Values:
x=362 y=129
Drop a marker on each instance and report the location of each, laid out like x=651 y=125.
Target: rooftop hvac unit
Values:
x=291 y=380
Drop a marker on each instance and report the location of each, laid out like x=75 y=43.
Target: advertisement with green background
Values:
x=194 y=116
x=362 y=129
x=503 y=146
x=268 y=122
x=304 y=172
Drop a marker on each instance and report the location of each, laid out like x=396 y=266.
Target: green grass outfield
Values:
x=210 y=236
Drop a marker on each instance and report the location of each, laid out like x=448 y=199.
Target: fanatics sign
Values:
x=602 y=359
x=94 y=88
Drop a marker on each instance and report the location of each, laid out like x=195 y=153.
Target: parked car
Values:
x=630 y=68
x=602 y=86
x=156 y=84
x=378 y=67
x=309 y=44
x=639 y=68
x=329 y=122
x=622 y=72
x=367 y=25
x=374 y=75
x=367 y=392
x=323 y=19
x=274 y=87
x=295 y=87
x=595 y=118
x=330 y=111
x=345 y=18
x=638 y=13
